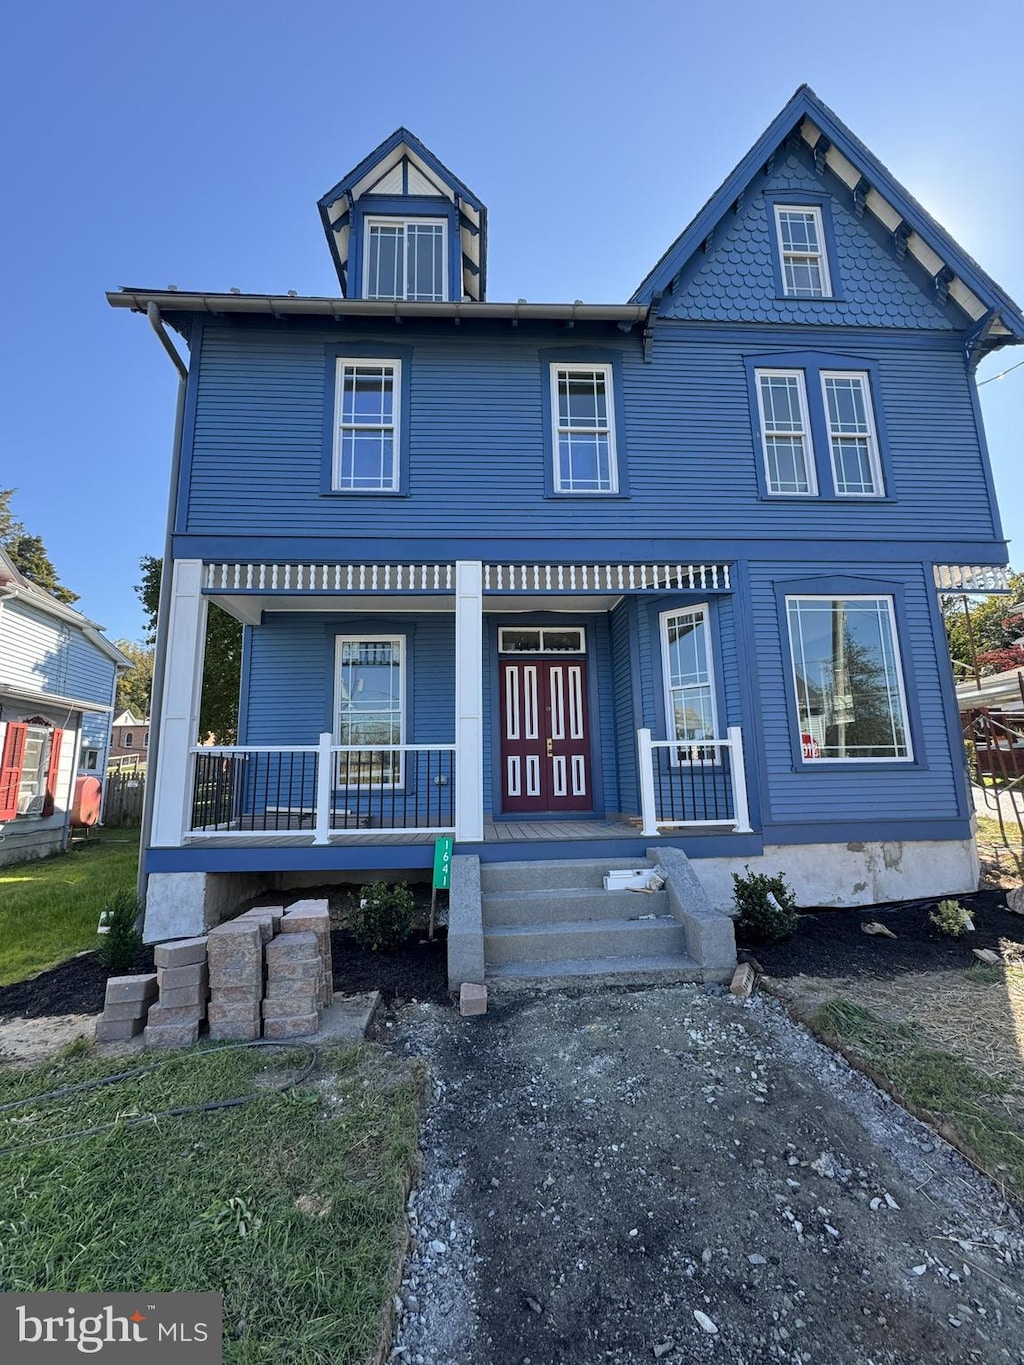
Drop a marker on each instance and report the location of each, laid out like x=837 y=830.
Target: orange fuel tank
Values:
x=86 y=809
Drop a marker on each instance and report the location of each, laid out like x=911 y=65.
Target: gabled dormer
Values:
x=401 y=226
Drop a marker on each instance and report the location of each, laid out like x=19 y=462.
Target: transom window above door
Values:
x=405 y=259
x=541 y=640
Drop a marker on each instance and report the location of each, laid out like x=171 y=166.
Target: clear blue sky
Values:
x=187 y=144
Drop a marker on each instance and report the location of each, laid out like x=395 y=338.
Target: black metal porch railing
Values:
x=277 y=790
x=692 y=784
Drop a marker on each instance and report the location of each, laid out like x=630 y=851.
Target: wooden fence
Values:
x=122 y=798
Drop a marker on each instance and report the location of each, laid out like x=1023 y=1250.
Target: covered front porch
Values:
x=521 y=733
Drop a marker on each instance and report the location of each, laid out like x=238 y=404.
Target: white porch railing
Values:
x=323 y=789
x=692 y=783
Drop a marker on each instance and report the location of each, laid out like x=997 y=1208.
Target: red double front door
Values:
x=545 y=741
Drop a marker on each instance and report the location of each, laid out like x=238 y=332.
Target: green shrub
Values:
x=950 y=918
x=118 y=946
x=766 y=905
x=382 y=916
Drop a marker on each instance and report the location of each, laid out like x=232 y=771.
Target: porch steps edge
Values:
x=659 y=967
x=576 y=939
x=553 y=874
x=570 y=903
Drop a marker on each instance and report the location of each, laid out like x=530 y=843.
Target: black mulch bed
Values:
x=832 y=943
x=73 y=987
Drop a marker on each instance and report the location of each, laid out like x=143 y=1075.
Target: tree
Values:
x=222 y=668
x=997 y=631
x=135 y=687
x=29 y=553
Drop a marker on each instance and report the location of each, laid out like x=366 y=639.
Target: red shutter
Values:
x=10 y=769
x=51 y=771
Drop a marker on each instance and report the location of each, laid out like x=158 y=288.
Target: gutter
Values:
x=164 y=606
x=272 y=305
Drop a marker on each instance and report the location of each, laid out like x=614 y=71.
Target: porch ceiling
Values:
x=249 y=608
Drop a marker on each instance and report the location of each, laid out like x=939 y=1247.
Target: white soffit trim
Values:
x=891 y=219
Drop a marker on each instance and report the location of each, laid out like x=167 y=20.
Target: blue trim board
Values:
x=747 y=655
x=180 y=497
x=867 y=831
x=951 y=712
x=596 y=549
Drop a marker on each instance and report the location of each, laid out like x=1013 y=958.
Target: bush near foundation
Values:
x=950 y=918
x=381 y=916
x=766 y=905
x=118 y=946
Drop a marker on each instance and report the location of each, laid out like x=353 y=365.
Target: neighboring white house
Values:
x=58 y=676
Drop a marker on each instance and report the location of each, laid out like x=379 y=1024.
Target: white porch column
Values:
x=469 y=700
x=179 y=718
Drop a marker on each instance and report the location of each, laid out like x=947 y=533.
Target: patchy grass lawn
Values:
x=971 y=1105
x=292 y=1206
x=49 y=908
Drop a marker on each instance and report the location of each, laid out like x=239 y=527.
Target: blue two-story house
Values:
x=583 y=582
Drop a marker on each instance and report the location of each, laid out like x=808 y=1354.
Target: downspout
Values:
x=163 y=606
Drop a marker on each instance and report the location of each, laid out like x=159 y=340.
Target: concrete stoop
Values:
x=554 y=919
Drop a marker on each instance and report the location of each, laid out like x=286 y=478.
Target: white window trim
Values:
x=558 y=368
x=874 y=458
x=664 y=617
x=821 y=255
x=362 y=362
x=897 y=664
x=359 y=638
x=416 y=221
x=805 y=417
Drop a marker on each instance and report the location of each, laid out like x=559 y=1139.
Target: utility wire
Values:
x=1001 y=376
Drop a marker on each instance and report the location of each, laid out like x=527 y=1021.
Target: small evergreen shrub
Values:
x=950 y=918
x=766 y=905
x=382 y=916
x=119 y=945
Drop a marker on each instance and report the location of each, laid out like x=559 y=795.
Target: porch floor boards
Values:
x=495 y=831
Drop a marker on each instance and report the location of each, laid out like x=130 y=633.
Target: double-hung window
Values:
x=802 y=256
x=370 y=709
x=851 y=430
x=817 y=431
x=406 y=259
x=689 y=684
x=848 y=680
x=786 y=432
x=583 y=424
x=367 y=412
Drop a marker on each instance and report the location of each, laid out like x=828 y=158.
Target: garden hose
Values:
x=209 y=1106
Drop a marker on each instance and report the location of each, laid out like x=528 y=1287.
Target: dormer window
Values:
x=801 y=239
x=405 y=259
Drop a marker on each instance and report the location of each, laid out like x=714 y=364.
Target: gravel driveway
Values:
x=671 y=1174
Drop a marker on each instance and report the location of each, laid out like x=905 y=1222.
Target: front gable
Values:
x=737 y=278
x=891 y=263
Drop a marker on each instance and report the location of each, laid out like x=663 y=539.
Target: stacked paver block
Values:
x=126 y=1005
x=314 y=917
x=235 y=957
x=182 y=977
x=294 y=990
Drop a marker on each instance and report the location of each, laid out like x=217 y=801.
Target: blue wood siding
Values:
x=290 y=675
x=689 y=448
x=736 y=278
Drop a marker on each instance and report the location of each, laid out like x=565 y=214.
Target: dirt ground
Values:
x=672 y=1174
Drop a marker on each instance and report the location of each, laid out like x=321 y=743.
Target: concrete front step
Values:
x=583 y=939
x=566 y=903
x=551 y=875
x=661 y=967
